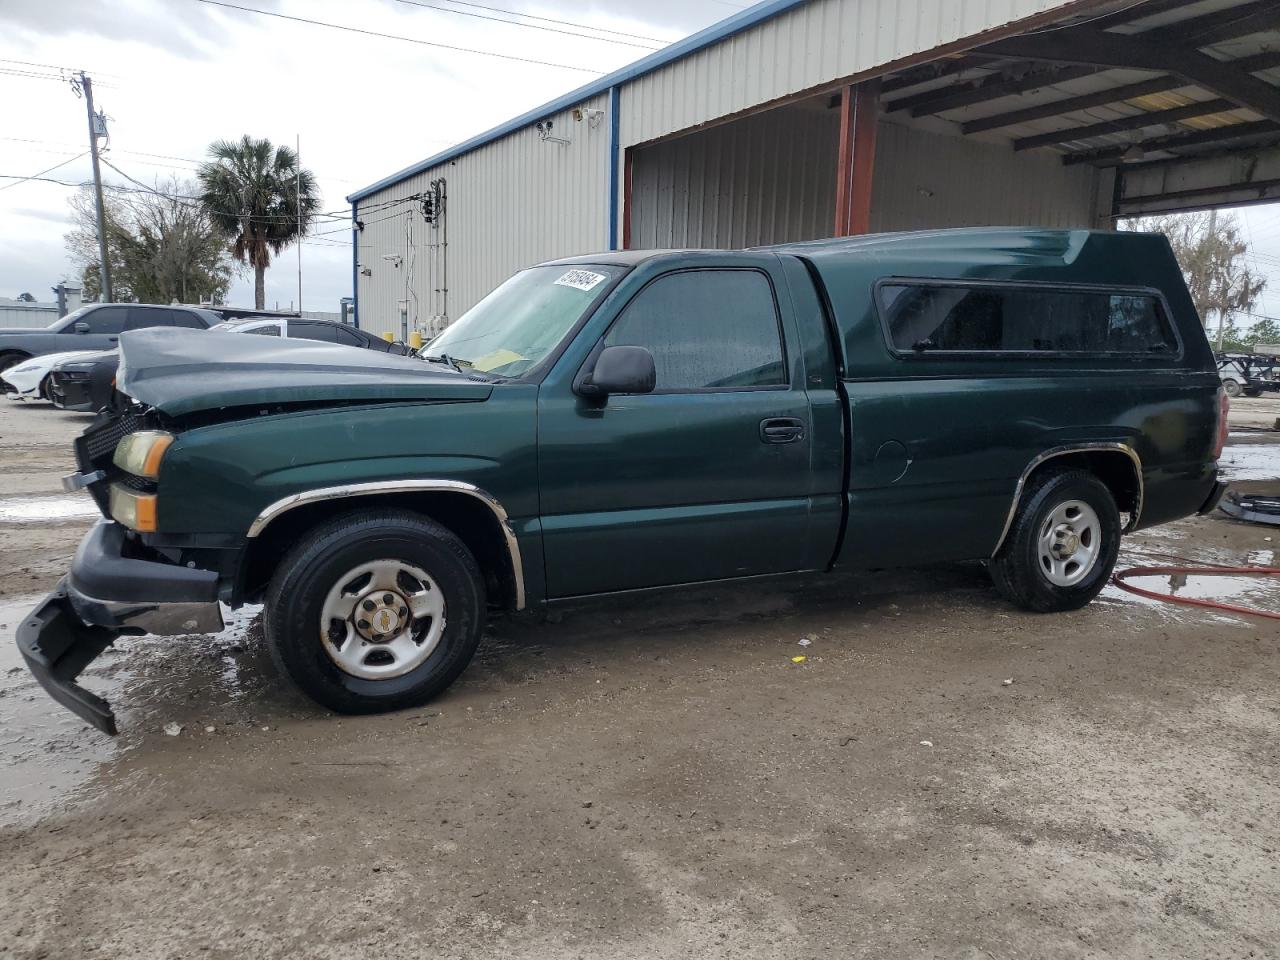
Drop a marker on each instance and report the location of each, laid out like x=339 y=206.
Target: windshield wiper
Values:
x=447 y=360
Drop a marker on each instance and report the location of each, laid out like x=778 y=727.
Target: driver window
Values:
x=106 y=320
x=707 y=330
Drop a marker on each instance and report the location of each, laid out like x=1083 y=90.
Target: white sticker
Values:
x=581 y=279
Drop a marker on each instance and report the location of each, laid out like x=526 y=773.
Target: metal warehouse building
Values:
x=798 y=119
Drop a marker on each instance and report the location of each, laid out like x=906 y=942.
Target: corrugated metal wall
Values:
x=767 y=178
x=509 y=203
x=813 y=44
x=770 y=178
x=930 y=180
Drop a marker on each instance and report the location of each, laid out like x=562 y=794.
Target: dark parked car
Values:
x=97 y=326
x=643 y=419
x=85 y=383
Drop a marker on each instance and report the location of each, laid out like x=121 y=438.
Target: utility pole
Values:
x=297 y=190
x=1213 y=240
x=104 y=270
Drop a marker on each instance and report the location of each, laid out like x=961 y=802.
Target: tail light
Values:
x=1224 y=407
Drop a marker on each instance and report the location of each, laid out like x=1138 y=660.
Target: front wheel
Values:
x=1232 y=387
x=1063 y=544
x=378 y=610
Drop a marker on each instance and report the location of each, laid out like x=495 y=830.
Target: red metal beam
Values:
x=859 y=117
x=626 y=198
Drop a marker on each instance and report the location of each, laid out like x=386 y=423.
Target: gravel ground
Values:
x=944 y=776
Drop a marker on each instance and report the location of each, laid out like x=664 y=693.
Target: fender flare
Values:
x=374 y=488
x=1090 y=447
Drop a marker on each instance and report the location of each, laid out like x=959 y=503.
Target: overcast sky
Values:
x=173 y=75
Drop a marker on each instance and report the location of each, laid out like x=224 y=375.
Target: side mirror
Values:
x=81 y=327
x=621 y=370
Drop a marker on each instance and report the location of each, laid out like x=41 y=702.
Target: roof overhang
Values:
x=1181 y=98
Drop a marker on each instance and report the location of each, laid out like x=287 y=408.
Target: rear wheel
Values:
x=1252 y=392
x=377 y=610
x=11 y=359
x=1063 y=543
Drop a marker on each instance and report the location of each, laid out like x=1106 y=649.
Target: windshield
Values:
x=520 y=323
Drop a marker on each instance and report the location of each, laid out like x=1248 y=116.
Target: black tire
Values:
x=1232 y=387
x=296 y=597
x=1016 y=570
x=44 y=390
x=12 y=359
x=1252 y=392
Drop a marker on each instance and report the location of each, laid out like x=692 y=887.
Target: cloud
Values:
x=50 y=215
x=178 y=26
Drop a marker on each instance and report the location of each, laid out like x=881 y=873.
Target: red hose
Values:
x=1197 y=571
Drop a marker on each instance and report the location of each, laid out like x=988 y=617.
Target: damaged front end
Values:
x=117 y=584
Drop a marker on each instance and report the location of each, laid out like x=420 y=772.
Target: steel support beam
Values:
x=1235 y=131
x=1139 y=121
x=855 y=165
x=1131 y=91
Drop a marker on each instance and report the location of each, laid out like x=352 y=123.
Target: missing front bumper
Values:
x=109 y=594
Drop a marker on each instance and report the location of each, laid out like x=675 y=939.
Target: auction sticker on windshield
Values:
x=581 y=279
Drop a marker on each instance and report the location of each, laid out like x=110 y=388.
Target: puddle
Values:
x=1262 y=593
x=1250 y=461
x=49 y=758
x=45 y=509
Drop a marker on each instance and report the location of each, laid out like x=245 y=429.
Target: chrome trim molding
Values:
x=1062 y=451
x=403 y=486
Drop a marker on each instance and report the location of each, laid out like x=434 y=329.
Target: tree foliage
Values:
x=161 y=247
x=26 y=298
x=260 y=201
x=1214 y=259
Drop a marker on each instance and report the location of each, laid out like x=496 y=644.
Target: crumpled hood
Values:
x=182 y=371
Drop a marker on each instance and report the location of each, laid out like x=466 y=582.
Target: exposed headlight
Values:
x=135 y=510
x=140 y=453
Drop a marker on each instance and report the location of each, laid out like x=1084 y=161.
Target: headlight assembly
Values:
x=140 y=453
x=135 y=510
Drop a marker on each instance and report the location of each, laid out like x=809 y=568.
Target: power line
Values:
x=393 y=36
x=528 y=26
x=566 y=23
x=40 y=174
x=58 y=66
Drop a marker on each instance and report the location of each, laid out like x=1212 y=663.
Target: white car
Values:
x=29 y=380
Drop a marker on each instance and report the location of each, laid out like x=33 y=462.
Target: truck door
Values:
x=703 y=479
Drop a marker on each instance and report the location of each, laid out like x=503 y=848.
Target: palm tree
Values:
x=257 y=198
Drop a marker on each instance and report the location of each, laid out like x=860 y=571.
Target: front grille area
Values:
x=96 y=447
x=100 y=441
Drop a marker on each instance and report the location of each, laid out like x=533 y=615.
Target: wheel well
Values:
x=466 y=516
x=1115 y=469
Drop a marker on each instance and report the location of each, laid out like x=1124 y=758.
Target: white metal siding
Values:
x=766 y=178
x=929 y=180
x=814 y=44
x=510 y=203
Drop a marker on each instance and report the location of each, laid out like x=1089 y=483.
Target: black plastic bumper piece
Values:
x=57 y=645
x=102 y=570
x=1211 y=503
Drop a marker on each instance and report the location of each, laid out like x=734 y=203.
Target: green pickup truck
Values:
x=643 y=419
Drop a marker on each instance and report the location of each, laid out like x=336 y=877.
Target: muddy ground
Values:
x=655 y=777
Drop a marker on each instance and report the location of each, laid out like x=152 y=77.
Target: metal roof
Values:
x=713 y=34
